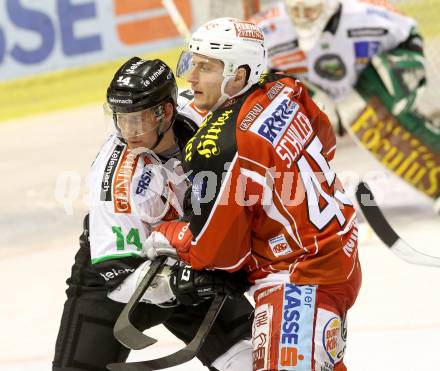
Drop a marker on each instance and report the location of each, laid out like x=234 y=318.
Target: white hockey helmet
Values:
x=310 y=18
x=234 y=42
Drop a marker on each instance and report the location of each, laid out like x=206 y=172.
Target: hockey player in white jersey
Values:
x=136 y=183
x=361 y=59
x=330 y=42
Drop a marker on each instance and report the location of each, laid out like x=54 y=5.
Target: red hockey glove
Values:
x=173 y=233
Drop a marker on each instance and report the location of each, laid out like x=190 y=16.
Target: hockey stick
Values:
x=177 y=19
x=124 y=331
x=183 y=355
x=386 y=233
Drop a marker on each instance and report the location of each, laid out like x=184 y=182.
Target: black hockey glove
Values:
x=192 y=287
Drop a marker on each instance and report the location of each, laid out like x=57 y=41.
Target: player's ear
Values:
x=168 y=110
x=241 y=75
x=238 y=82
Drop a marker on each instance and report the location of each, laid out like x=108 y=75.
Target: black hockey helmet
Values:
x=140 y=84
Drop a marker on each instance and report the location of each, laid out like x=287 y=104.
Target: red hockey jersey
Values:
x=264 y=197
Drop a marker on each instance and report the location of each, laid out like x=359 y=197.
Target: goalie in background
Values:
x=356 y=55
x=136 y=183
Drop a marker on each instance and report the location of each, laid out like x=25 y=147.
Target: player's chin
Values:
x=132 y=144
x=200 y=101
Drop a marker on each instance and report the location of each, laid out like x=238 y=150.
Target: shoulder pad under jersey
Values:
x=188 y=118
x=184 y=129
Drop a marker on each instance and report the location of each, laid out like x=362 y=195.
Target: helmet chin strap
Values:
x=160 y=117
x=160 y=134
x=224 y=97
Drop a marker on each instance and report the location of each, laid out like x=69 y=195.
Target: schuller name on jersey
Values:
x=284 y=127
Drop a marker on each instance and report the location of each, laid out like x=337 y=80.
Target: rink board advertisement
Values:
x=41 y=36
x=397 y=149
x=47 y=45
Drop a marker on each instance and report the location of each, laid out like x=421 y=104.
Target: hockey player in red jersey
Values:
x=130 y=193
x=265 y=199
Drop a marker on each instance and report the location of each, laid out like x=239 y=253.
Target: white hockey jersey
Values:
x=353 y=36
x=130 y=193
x=187 y=108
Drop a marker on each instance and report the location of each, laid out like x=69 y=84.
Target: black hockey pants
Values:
x=85 y=340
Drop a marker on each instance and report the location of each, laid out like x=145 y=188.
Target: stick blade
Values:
x=124 y=331
x=387 y=234
x=183 y=355
x=412 y=256
x=130 y=336
x=133 y=366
